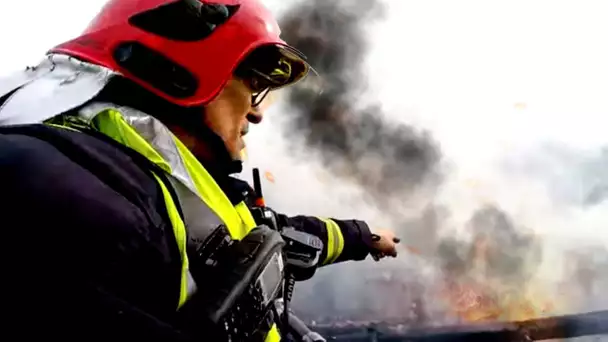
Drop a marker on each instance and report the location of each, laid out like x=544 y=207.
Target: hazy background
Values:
x=449 y=122
x=444 y=120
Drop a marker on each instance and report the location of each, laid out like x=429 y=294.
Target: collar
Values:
x=236 y=190
x=216 y=160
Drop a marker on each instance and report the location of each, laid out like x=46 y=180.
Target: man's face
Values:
x=230 y=114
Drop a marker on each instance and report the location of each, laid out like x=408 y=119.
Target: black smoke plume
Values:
x=386 y=158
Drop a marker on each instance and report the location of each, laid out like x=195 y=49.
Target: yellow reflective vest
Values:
x=204 y=205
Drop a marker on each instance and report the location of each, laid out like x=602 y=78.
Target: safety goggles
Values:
x=269 y=68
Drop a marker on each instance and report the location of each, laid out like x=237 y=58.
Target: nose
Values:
x=255 y=116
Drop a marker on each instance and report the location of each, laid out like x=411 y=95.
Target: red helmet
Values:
x=186 y=50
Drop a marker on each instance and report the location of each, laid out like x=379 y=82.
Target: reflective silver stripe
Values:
x=58 y=84
x=153 y=131
x=61 y=83
x=199 y=219
x=191 y=287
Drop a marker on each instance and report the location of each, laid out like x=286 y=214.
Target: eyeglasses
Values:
x=267 y=69
x=258 y=98
x=262 y=82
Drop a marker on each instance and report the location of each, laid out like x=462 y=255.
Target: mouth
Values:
x=244 y=130
x=243 y=133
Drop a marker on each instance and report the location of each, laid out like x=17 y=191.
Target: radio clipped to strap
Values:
x=235 y=294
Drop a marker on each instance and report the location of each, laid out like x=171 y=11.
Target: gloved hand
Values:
x=384 y=243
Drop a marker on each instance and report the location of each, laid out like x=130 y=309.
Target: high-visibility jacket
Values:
x=61 y=83
x=204 y=205
x=200 y=204
x=192 y=198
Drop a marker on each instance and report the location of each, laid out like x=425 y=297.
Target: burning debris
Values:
x=385 y=158
x=489 y=278
x=487 y=288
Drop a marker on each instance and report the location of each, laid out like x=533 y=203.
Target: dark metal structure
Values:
x=557 y=327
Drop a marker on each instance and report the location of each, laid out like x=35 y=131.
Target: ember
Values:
x=269 y=176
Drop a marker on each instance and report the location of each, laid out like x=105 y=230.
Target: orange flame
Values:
x=474 y=303
x=474 y=297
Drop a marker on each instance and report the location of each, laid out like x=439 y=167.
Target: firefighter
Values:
x=118 y=148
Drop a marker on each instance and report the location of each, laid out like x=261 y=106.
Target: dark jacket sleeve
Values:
x=84 y=261
x=343 y=240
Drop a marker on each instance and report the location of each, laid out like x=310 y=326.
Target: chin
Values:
x=235 y=155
